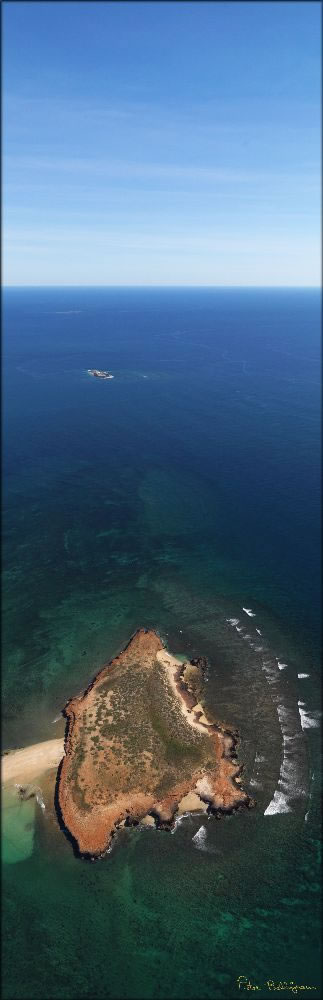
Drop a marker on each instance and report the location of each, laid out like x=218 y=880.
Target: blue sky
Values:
x=164 y=143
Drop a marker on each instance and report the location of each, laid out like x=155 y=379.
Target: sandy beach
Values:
x=171 y=665
x=27 y=764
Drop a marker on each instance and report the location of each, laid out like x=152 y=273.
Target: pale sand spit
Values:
x=171 y=665
x=29 y=763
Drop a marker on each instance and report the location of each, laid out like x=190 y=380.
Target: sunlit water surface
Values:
x=182 y=495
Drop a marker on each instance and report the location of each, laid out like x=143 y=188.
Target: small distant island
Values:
x=139 y=748
x=99 y=374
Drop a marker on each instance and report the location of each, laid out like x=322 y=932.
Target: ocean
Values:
x=182 y=495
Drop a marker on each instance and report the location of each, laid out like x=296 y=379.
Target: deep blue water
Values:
x=174 y=495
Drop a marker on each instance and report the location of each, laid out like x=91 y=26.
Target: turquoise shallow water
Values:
x=174 y=496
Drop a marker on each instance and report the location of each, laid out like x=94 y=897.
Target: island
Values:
x=140 y=748
x=99 y=374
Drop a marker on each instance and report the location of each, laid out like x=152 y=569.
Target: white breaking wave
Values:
x=302 y=675
x=40 y=800
x=310 y=799
x=307 y=721
x=270 y=672
x=282 y=666
x=249 y=612
x=179 y=820
x=258 y=630
x=239 y=629
x=289 y=780
x=57 y=718
x=200 y=838
x=246 y=636
x=290 y=784
x=283 y=715
x=278 y=804
x=233 y=621
x=32 y=792
x=259 y=649
x=301 y=703
x=259 y=759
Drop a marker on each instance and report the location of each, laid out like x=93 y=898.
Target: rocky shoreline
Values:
x=112 y=775
x=98 y=373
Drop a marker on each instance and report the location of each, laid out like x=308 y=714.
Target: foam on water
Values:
x=179 y=820
x=307 y=721
x=255 y=781
x=291 y=776
x=301 y=676
x=283 y=715
x=278 y=804
x=310 y=798
x=200 y=838
x=259 y=631
x=39 y=799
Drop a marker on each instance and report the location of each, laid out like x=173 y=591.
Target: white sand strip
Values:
x=171 y=665
x=29 y=763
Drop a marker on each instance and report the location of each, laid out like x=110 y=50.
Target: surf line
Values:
x=290 y=784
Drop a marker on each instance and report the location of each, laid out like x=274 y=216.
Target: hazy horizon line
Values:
x=259 y=287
